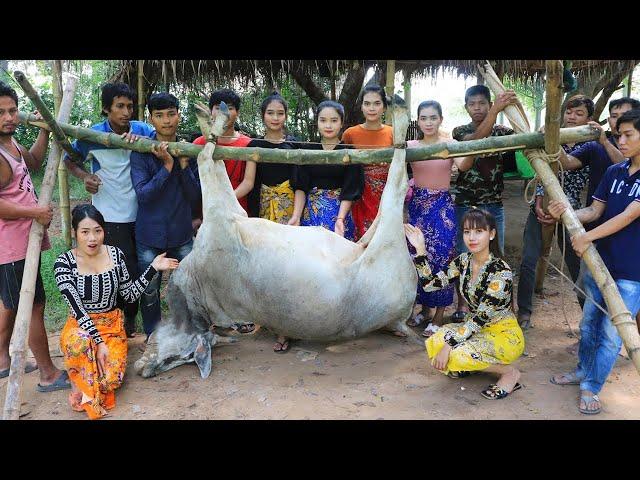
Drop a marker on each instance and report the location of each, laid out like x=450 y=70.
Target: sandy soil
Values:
x=375 y=377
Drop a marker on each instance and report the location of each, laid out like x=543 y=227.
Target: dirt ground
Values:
x=375 y=377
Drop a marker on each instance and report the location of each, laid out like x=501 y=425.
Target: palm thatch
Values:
x=198 y=73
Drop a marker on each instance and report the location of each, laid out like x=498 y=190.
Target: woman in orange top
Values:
x=370 y=134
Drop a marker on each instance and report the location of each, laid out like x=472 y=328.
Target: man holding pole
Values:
x=18 y=208
x=110 y=179
x=616 y=203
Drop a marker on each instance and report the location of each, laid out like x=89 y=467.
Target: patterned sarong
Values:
x=322 y=210
x=365 y=210
x=276 y=203
x=98 y=392
x=433 y=212
x=500 y=342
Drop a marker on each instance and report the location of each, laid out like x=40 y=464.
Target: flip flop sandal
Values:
x=574 y=379
x=246 y=327
x=588 y=400
x=430 y=330
x=416 y=321
x=285 y=346
x=29 y=367
x=494 y=392
x=460 y=374
x=61 y=383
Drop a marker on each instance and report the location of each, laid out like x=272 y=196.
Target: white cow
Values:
x=300 y=282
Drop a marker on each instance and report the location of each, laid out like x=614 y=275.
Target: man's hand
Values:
x=91 y=183
x=43 y=215
x=184 y=162
x=129 y=137
x=543 y=217
x=504 y=99
x=161 y=153
x=580 y=243
x=556 y=209
x=603 y=137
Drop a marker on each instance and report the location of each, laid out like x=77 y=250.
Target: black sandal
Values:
x=494 y=392
x=246 y=327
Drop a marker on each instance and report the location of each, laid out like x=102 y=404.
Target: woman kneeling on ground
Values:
x=93 y=341
x=490 y=338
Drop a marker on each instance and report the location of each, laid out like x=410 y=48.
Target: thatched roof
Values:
x=202 y=72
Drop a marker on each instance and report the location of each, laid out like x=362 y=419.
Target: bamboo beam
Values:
x=58 y=134
x=337 y=157
x=552 y=122
x=27 y=289
x=141 y=99
x=391 y=75
x=620 y=315
x=63 y=179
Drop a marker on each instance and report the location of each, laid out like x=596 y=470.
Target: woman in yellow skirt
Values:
x=90 y=277
x=273 y=192
x=489 y=339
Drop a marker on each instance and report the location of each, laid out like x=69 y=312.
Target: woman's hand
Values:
x=442 y=358
x=102 y=352
x=295 y=221
x=339 y=226
x=161 y=263
x=416 y=238
x=580 y=243
x=556 y=209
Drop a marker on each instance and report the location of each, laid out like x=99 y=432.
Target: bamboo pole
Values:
x=336 y=157
x=141 y=99
x=58 y=134
x=620 y=315
x=63 y=179
x=27 y=289
x=391 y=75
x=552 y=122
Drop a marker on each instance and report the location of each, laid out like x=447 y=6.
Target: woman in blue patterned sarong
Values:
x=431 y=209
x=324 y=193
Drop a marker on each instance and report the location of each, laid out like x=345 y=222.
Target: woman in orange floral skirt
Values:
x=93 y=341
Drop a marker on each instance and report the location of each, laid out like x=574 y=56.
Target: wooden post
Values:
x=552 y=121
x=63 y=180
x=629 y=83
x=620 y=315
x=389 y=88
x=27 y=290
x=141 y=99
x=407 y=93
x=328 y=157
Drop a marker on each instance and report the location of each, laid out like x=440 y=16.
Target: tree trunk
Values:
x=390 y=86
x=63 y=180
x=141 y=95
x=303 y=157
x=32 y=261
x=349 y=94
x=313 y=91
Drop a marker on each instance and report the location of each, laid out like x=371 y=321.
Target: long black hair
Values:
x=85 y=210
x=479 y=218
x=428 y=104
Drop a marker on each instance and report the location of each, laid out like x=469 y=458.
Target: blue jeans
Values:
x=599 y=339
x=496 y=209
x=150 y=300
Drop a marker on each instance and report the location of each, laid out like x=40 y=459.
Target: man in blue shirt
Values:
x=616 y=202
x=167 y=188
x=109 y=181
x=616 y=108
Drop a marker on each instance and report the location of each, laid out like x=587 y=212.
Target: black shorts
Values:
x=11 y=281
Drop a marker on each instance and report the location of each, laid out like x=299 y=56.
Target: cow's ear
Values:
x=202 y=356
